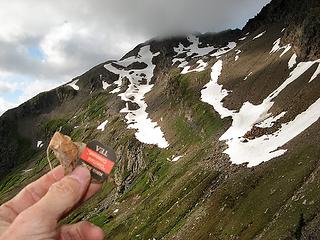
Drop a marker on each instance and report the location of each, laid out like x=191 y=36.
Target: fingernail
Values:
x=81 y=174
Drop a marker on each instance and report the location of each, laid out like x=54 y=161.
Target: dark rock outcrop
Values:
x=302 y=22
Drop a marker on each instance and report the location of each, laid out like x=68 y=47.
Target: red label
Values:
x=97 y=160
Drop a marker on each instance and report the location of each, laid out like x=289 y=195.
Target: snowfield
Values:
x=240 y=150
x=266 y=147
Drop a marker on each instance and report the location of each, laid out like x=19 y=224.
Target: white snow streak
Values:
x=147 y=131
x=176 y=158
x=270 y=121
x=236 y=58
x=286 y=49
x=250 y=73
x=276 y=47
x=213 y=93
x=201 y=67
x=102 y=126
x=39 y=144
x=224 y=50
x=73 y=84
x=241 y=39
x=194 y=51
x=27 y=170
x=293 y=61
x=316 y=73
x=259 y=35
x=105 y=85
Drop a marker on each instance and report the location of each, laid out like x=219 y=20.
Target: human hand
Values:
x=34 y=213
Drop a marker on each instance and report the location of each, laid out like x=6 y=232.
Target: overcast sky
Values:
x=44 y=43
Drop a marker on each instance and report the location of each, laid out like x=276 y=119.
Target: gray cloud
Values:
x=75 y=35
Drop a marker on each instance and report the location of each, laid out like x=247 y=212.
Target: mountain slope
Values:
x=216 y=135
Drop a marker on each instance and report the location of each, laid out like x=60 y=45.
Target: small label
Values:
x=99 y=159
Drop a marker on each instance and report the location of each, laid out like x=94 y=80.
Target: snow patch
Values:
x=39 y=144
x=105 y=85
x=174 y=158
x=250 y=73
x=266 y=147
x=236 y=58
x=224 y=50
x=201 y=67
x=270 y=121
x=102 y=126
x=27 y=170
x=213 y=93
x=74 y=85
x=259 y=35
x=293 y=61
x=139 y=84
x=316 y=73
x=286 y=49
x=192 y=51
x=116 y=90
x=241 y=39
x=276 y=47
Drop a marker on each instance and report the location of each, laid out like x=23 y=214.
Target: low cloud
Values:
x=54 y=41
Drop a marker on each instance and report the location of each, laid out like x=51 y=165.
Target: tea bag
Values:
x=65 y=150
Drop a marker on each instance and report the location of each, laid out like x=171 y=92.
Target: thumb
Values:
x=63 y=195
